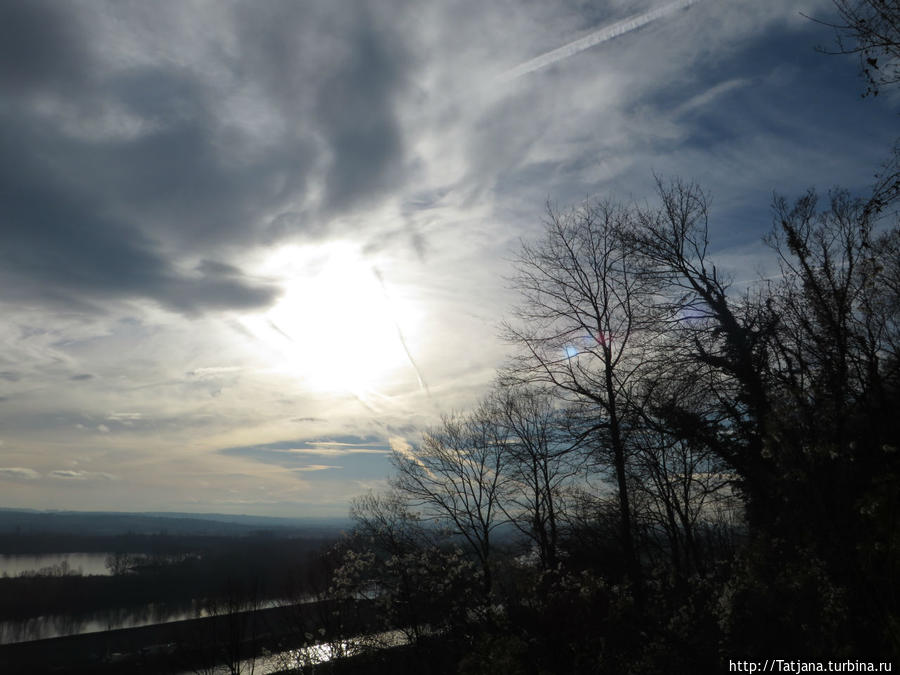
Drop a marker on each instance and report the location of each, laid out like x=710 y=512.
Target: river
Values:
x=42 y=627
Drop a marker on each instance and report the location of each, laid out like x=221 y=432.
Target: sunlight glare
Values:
x=336 y=326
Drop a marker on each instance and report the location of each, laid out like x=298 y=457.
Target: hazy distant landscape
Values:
x=104 y=523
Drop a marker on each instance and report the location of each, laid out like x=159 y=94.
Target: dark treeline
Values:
x=699 y=472
x=13 y=521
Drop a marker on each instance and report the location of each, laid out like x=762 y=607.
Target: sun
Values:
x=338 y=326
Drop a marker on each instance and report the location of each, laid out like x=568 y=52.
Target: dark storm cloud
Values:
x=59 y=245
x=40 y=46
x=114 y=177
x=185 y=178
x=218 y=269
x=341 y=67
x=360 y=124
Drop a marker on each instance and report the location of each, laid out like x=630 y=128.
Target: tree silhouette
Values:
x=543 y=463
x=578 y=328
x=871 y=29
x=457 y=477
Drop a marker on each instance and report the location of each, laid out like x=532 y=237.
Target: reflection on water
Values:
x=12 y=565
x=41 y=627
x=313 y=654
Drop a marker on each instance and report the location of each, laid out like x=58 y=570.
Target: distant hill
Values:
x=115 y=523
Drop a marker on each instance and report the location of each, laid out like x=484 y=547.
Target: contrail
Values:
x=412 y=361
x=275 y=327
x=595 y=38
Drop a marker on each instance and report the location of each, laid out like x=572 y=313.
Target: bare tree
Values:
x=119 y=563
x=456 y=476
x=709 y=337
x=836 y=349
x=543 y=464
x=388 y=525
x=415 y=579
x=871 y=29
x=681 y=485
x=801 y=371
x=579 y=326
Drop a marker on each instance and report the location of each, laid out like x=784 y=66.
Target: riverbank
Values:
x=179 y=646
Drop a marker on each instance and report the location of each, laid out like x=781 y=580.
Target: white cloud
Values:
x=125 y=417
x=18 y=473
x=705 y=98
x=338 y=452
x=402 y=447
x=214 y=371
x=68 y=474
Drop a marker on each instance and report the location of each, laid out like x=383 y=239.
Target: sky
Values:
x=248 y=248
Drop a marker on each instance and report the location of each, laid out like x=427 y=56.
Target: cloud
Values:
x=125 y=417
x=18 y=473
x=402 y=447
x=366 y=149
x=338 y=445
x=343 y=69
x=705 y=98
x=338 y=452
x=68 y=474
x=295 y=454
x=214 y=371
x=597 y=37
x=141 y=160
x=184 y=160
x=60 y=247
x=81 y=377
x=54 y=60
